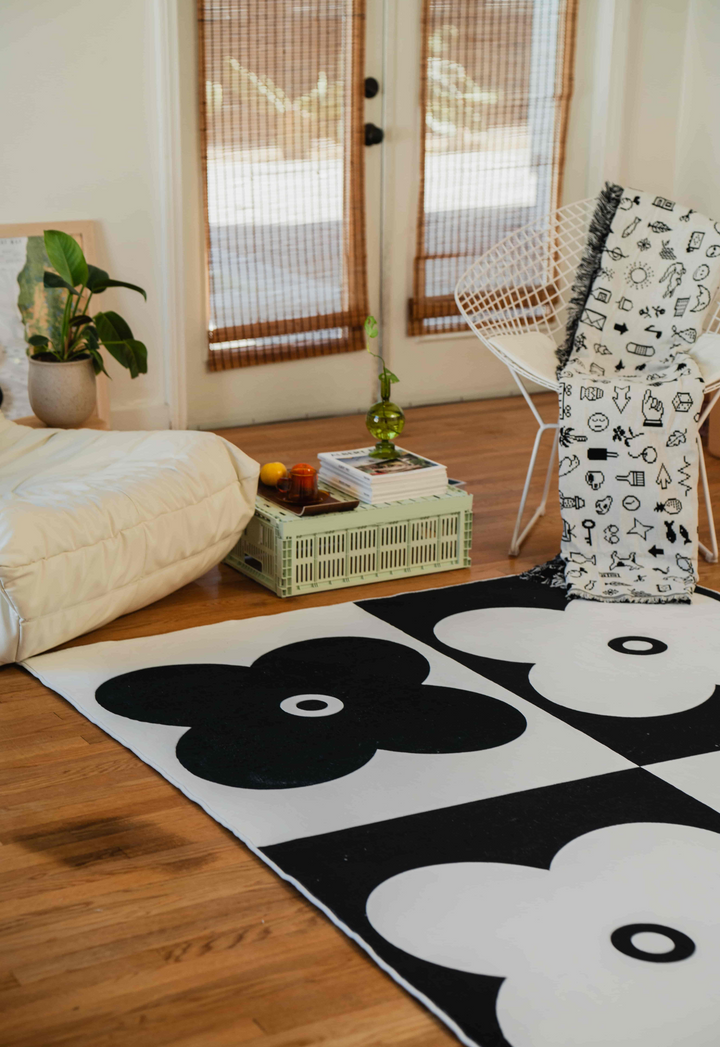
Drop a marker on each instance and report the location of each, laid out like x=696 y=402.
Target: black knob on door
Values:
x=371 y=87
x=373 y=135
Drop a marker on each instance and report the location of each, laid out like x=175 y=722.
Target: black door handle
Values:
x=371 y=87
x=373 y=135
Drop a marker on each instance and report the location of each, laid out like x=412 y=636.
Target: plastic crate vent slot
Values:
x=393 y=546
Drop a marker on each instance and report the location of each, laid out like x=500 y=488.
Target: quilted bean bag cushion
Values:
x=96 y=524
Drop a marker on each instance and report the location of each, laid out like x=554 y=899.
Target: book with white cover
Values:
x=407 y=475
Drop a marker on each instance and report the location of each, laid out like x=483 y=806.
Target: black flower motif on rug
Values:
x=308 y=712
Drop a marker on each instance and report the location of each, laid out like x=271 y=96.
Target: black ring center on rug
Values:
x=620 y=644
x=622 y=939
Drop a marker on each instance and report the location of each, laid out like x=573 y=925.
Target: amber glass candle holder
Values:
x=300 y=486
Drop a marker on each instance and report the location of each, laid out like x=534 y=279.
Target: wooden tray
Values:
x=326 y=503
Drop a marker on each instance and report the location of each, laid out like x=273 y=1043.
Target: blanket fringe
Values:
x=608 y=202
x=629 y=599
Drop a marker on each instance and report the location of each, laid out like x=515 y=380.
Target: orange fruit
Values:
x=271 y=472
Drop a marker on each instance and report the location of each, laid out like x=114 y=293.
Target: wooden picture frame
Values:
x=84 y=232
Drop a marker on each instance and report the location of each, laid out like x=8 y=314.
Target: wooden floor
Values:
x=128 y=916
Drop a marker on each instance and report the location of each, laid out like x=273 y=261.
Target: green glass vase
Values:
x=385 y=421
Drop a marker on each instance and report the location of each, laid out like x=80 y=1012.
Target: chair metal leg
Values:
x=519 y=536
x=711 y=554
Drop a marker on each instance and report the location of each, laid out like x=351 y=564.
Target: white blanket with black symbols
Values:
x=630 y=400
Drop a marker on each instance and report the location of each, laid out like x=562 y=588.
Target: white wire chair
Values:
x=515 y=298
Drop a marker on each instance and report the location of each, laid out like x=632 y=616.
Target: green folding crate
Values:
x=293 y=554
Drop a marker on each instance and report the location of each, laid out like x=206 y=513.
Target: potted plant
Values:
x=61 y=377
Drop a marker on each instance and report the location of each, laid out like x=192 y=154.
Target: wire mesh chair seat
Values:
x=515 y=298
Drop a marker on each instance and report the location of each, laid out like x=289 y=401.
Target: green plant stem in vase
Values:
x=385 y=420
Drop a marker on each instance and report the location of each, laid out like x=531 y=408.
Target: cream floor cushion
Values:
x=96 y=524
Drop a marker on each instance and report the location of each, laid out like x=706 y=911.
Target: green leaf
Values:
x=77 y=321
x=390 y=376
x=38 y=340
x=116 y=336
x=111 y=327
x=66 y=257
x=371 y=327
x=53 y=280
x=97 y=360
x=97 y=279
x=121 y=283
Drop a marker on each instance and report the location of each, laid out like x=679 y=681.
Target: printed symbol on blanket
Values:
x=630 y=227
x=591 y=392
x=615 y=253
x=695 y=241
x=652 y=409
x=665 y=204
x=567 y=435
x=687 y=336
x=653 y=310
x=685 y=474
x=565 y=394
x=581 y=558
x=676 y=438
x=593 y=318
x=703 y=299
x=644 y=244
x=652 y=329
x=597 y=369
x=631 y=503
x=681 y=305
x=640 y=350
x=623 y=561
x=574 y=963
x=670 y=532
x=602 y=505
x=686 y=217
x=601 y=294
x=713 y=251
x=625 y=436
x=673 y=274
x=621 y=397
x=687 y=540
x=648 y=454
x=636 y=478
x=611 y=534
x=574 y=502
x=701 y=272
x=620 y=366
x=663 y=478
x=682 y=402
x=568 y=464
x=568 y=531
x=595 y=479
x=659 y=227
x=672 y=506
x=598 y=422
x=640 y=529
x=627 y=202
x=622 y=328
x=588 y=526
x=639 y=274
x=604 y=273
x=625 y=304
x=250 y=728
x=667 y=252
x=656 y=552
x=602 y=350
x=600 y=454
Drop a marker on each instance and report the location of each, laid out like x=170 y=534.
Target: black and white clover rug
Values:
x=510 y=801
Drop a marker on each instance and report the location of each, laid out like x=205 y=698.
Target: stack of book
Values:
x=377 y=480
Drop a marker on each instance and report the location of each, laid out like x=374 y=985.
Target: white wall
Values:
x=94 y=126
x=77 y=123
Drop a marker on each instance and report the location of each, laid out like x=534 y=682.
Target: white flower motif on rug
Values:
x=617 y=943
x=611 y=659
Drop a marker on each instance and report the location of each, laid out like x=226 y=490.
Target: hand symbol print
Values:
x=652 y=409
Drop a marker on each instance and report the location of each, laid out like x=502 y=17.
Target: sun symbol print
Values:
x=639 y=274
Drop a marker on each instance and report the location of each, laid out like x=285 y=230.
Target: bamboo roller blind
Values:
x=496 y=81
x=281 y=96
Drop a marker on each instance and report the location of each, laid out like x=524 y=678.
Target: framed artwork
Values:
x=27 y=308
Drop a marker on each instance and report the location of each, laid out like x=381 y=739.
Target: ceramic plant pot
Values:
x=62 y=393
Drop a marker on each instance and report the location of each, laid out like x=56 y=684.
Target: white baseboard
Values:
x=152 y=415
